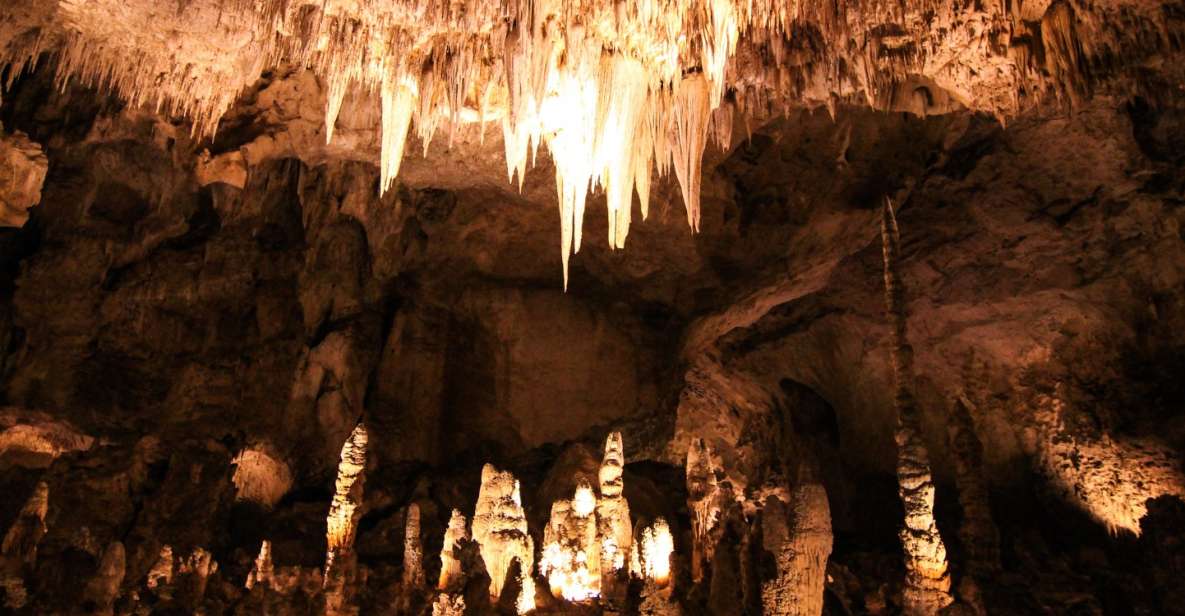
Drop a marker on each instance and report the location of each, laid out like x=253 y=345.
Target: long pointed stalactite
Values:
x=927 y=581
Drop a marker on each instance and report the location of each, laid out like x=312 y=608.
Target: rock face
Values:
x=23 y=166
x=192 y=326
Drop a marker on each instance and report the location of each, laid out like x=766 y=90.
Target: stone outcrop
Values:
x=23 y=166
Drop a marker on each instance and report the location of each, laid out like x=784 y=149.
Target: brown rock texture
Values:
x=192 y=325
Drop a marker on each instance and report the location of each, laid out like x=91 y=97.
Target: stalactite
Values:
x=500 y=527
x=413 y=552
x=263 y=571
x=103 y=588
x=450 y=567
x=798 y=534
x=703 y=500
x=927 y=582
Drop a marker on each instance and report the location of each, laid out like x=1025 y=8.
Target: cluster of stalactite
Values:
x=927 y=581
x=617 y=91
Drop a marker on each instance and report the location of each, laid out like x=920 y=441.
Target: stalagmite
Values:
x=571 y=550
x=161 y=574
x=450 y=567
x=655 y=556
x=19 y=550
x=526 y=597
x=799 y=536
x=927 y=582
x=703 y=500
x=342 y=521
x=103 y=588
x=193 y=574
x=263 y=570
x=448 y=605
x=500 y=527
x=413 y=552
x=978 y=532
x=615 y=532
x=20 y=542
x=654 y=567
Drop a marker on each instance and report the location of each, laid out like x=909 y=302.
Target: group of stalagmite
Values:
x=589 y=547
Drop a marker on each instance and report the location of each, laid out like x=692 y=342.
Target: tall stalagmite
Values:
x=342 y=521
x=927 y=582
x=450 y=567
x=978 y=532
x=500 y=527
x=614 y=530
x=413 y=551
x=703 y=499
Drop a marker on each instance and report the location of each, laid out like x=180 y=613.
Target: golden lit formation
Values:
x=616 y=90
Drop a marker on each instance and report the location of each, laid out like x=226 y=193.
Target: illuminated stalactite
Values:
x=413 y=551
x=703 y=500
x=450 y=567
x=1109 y=478
x=342 y=521
x=263 y=571
x=500 y=527
x=799 y=536
x=927 y=582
